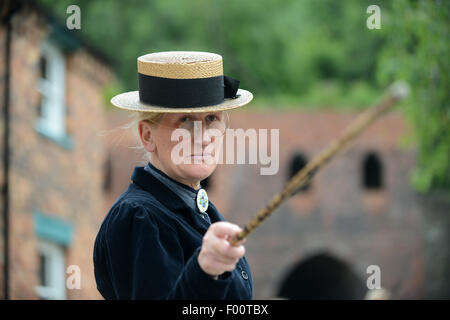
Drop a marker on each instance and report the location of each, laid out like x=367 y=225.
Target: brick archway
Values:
x=323 y=277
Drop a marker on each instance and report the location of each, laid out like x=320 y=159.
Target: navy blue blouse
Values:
x=148 y=244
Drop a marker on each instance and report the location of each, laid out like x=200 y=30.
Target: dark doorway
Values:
x=322 y=277
x=372 y=172
x=298 y=161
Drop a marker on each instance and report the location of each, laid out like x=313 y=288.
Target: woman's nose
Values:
x=206 y=137
x=202 y=136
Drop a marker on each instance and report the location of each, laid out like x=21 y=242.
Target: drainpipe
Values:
x=5 y=187
x=7 y=11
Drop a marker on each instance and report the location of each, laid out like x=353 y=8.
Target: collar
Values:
x=157 y=188
x=171 y=200
x=188 y=194
x=187 y=189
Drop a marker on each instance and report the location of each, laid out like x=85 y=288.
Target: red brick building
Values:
x=54 y=154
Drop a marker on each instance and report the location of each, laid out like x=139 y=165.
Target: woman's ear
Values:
x=147 y=135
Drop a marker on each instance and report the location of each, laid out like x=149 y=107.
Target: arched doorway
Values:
x=322 y=277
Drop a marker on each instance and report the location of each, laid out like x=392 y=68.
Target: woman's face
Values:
x=189 y=154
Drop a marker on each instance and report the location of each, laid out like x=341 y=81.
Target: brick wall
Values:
x=336 y=214
x=45 y=176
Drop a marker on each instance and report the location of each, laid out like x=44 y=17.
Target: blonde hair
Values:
x=138 y=116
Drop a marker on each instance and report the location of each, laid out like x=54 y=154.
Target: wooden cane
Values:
x=397 y=92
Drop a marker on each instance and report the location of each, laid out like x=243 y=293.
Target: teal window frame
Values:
x=53 y=228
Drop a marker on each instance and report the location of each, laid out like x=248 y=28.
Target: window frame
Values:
x=51 y=122
x=55 y=271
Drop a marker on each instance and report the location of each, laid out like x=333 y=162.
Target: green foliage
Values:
x=417 y=50
x=110 y=90
x=275 y=48
x=291 y=53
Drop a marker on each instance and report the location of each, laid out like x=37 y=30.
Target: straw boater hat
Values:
x=182 y=81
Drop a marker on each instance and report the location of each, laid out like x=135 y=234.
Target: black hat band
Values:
x=186 y=93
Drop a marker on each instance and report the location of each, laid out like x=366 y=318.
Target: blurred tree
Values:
x=417 y=50
x=300 y=53
x=289 y=48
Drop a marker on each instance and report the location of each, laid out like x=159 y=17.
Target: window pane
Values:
x=39 y=107
x=51 y=110
x=43 y=67
x=43 y=270
x=51 y=276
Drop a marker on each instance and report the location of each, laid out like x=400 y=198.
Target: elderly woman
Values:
x=162 y=238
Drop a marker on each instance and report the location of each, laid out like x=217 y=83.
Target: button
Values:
x=244 y=275
x=205 y=217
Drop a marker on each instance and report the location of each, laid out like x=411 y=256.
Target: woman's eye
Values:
x=212 y=117
x=184 y=119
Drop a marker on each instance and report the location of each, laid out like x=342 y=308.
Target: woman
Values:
x=162 y=238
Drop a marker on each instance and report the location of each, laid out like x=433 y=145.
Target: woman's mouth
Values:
x=201 y=156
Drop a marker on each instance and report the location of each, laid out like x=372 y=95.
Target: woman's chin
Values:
x=198 y=171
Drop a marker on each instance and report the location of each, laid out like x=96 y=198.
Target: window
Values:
x=298 y=161
x=52 y=87
x=372 y=175
x=53 y=236
x=51 y=271
x=107 y=178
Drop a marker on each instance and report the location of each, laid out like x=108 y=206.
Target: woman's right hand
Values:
x=217 y=255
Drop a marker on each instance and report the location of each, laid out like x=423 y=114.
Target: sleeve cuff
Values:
x=202 y=285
